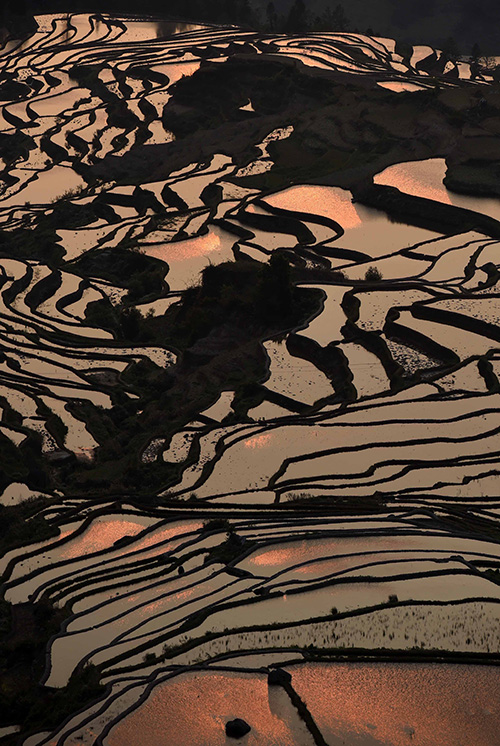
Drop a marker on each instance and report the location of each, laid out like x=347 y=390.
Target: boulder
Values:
x=278 y=677
x=237 y=728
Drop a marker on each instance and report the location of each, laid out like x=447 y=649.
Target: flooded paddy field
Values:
x=249 y=388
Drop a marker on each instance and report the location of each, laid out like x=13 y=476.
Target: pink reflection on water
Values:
x=259 y=441
x=304 y=551
x=419 y=178
x=362 y=704
x=330 y=202
x=172 y=600
x=425 y=705
x=101 y=534
x=153 y=607
x=282 y=556
x=181 y=251
x=399 y=86
x=320 y=568
x=64 y=533
x=163 y=534
x=192 y=711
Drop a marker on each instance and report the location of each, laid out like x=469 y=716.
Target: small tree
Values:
x=335 y=19
x=271 y=17
x=450 y=50
x=297 y=17
x=275 y=287
x=130 y=322
x=373 y=274
x=476 y=52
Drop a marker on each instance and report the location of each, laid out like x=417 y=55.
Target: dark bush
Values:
x=373 y=274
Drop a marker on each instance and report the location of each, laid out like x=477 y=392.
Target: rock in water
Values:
x=278 y=677
x=237 y=728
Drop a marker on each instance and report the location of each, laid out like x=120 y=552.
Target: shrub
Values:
x=373 y=274
x=69 y=194
x=217 y=524
x=339 y=275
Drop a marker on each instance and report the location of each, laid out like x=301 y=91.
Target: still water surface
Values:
x=353 y=705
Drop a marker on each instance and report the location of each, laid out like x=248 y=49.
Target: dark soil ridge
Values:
x=425 y=213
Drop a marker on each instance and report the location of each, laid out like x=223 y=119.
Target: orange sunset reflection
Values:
x=259 y=441
x=419 y=178
x=330 y=202
x=192 y=711
x=398 y=704
x=352 y=704
x=289 y=555
x=165 y=533
x=181 y=251
x=100 y=535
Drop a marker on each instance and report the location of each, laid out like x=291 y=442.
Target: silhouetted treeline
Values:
x=217 y=11
x=414 y=21
x=432 y=22
x=298 y=18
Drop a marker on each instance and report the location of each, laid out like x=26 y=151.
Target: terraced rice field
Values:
x=203 y=501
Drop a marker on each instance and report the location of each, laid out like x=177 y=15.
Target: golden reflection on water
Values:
x=330 y=202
